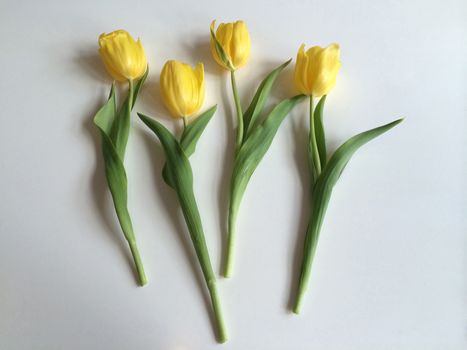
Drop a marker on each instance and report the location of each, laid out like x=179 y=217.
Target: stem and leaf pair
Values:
x=254 y=137
x=177 y=173
x=324 y=176
x=114 y=125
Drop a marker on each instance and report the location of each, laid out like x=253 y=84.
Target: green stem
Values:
x=222 y=330
x=127 y=228
x=138 y=263
x=238 y=108
x=185 y=122
x=313 y=145
x=193 y=222
x=131 y=89
x=228 y=265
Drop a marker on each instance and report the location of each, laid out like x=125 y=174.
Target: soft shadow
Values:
x=284 y=86
x=300 y=154
x=89 y=62
x=199 y=49
x=100 y=192
x=150 y=99
x=172 y=210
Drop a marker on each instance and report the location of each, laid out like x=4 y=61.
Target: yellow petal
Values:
x=182 y=88
x=235 y=41
x=316 y=69
x=240 y=45
x=123 y=57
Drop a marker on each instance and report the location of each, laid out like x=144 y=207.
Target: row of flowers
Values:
x=183 y=90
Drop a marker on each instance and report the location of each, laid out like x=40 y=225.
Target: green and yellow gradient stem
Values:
x=313 y=145
x=238 y=108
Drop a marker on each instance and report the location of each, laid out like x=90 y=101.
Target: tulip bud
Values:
x=123 y=57
x=234 y=41
x=182 y=88
x=316 y=69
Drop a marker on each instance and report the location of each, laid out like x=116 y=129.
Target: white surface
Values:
x=391 y=267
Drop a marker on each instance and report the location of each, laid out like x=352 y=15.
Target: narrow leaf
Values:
x=193 y=131
x=181 y=176
x=121 y=126
x=190 y=138
x=257 y=103
x=116 y=177
x=220 y=50
x=321 y=196
x=247 y=160
x=138 y=86
x=105 y=117
x=319 y=131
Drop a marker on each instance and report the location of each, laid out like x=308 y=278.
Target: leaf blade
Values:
x=321 y=196
x=256 y=106
x=181 y=174
x=319 y=131
x=248 y=158
x=193 y=131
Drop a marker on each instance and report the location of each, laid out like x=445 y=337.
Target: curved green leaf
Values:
x=247 y=160
x=116 y=177
x=220 y=50
x=193 y=131
x=190 y=138
x=138 y=86
x=319 y=131
x=181 y=176
x=121 y=124
x=105 y=117
x=257 y=103
x=321 y=195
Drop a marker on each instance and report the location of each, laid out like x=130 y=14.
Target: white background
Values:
x=391 y=266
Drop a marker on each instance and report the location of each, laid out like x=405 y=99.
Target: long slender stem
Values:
x=131 y=89
x=228 y=264
x=222 y=330
x=238 y=108
x=138 y=263
x=313 y=145
x=193 y=220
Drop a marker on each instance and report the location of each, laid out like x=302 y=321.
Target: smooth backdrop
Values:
x=391 y=267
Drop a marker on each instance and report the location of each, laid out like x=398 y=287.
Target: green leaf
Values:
x=259 y=100
x=319 y=131
x=181 y=176
x=247 y=160
x=114 y=169
x=190 y=138
x=138 y=86
x=193 y=131
x=105 y=117
x=220 y=51
x=121 y=125
x=321 y=195
x=116 y=177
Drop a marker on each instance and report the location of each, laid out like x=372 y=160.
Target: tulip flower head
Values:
x=182 y=88
x=234 y=41
x=123 y=57
x=316 y=69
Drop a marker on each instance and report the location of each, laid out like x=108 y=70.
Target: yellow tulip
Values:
x=235 y=41
x=123 y=57
x=316 y=69
x=182 y=88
